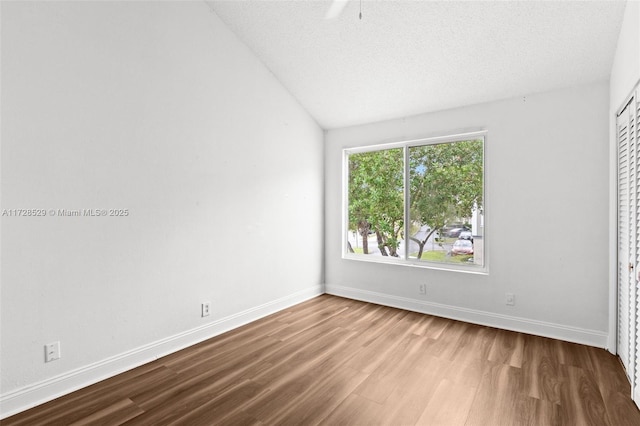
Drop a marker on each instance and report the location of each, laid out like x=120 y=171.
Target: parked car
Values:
x=466 y=235
x=454 y=232
x=462 y=247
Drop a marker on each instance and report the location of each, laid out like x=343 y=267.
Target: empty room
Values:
x=278 y=212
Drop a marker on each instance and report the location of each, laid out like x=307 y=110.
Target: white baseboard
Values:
x=523 y=325
x=29 y=396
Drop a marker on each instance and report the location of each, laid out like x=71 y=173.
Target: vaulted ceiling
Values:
x=406 y=57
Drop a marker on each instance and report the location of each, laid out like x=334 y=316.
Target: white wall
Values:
x=626 y=63
x=154 y=107
x=546 y=224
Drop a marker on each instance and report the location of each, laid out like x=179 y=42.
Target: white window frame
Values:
x=405 y=145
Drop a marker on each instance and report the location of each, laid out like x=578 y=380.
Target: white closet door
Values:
x=628 y=134
x=628 y=232
x=623 y=236
x=635 y=278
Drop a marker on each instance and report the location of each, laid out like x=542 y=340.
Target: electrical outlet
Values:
x=422 y=289
x=206 y=309
x=510 y=299
x=51 y=351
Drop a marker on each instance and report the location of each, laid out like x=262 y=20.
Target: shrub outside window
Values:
x=430 y=190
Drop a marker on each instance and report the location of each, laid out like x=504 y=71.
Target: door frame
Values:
x=612 y=343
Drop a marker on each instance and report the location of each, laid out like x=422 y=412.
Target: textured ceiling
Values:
x=409 y=57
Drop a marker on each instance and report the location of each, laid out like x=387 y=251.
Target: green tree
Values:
x=446 y=183
x=376 y=198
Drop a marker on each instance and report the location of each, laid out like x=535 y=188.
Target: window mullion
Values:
x=407 y=202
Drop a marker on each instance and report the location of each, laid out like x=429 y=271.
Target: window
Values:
x=431 y=190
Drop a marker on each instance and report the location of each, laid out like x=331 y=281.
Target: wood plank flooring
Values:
x=336 y=361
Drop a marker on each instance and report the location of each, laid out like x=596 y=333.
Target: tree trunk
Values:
x=364 y=233
x=349 y=247
x=422 y=243
x=381 y=244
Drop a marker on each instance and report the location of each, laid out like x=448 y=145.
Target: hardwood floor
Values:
x=336 y=361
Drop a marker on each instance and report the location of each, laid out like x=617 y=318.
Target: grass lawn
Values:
x=441 y=256
x=433 y=256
